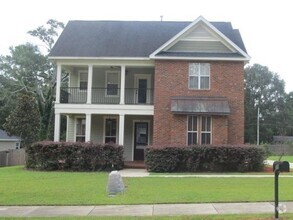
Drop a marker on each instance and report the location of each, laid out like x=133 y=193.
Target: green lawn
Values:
x=284 y=158
x=199 y=217
x=22 y=187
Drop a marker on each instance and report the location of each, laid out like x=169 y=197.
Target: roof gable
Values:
x=202 y=37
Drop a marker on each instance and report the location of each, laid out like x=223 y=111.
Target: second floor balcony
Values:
x=110 y=95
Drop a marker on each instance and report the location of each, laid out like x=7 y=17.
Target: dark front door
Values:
x=142 y=91
x=141 y=137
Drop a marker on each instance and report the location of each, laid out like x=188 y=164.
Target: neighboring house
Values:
x=140 y=83
x=8 y=142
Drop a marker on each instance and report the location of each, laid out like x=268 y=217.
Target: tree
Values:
x=27 y=70
x=24 y=120
x=45 y=96
x=263 y=89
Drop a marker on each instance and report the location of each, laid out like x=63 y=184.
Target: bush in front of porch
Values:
x=74 y=156
x=224 y=158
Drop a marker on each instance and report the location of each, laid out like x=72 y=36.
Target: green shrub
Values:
x=75 y=156
x=224 y=158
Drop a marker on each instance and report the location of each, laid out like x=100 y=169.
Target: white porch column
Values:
x=57 y=127
x=58 y=83
x=121 y=129
x=89 y=84
x=88 y=125
x=122 y=85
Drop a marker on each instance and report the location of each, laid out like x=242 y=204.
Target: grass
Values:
x=198 y=217
x=21 y=187
x=284 y=158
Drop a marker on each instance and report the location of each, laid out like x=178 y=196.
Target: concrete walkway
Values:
x=142 y=210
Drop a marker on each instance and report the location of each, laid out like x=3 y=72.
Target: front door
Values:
x=142 y=85
x=141 y=137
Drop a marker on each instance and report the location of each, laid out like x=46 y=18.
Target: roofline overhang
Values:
x=97 y=58
x=201 y=58
x=10 y=140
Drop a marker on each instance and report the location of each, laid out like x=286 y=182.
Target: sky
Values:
x=265 y=25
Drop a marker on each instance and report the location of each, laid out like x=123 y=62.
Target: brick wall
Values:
x=171 y=79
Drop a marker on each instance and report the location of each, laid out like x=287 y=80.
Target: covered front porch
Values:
x=134 y=132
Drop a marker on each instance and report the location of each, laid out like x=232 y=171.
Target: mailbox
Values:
x=282 y=166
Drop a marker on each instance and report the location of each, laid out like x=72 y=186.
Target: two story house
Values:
x=138 y=83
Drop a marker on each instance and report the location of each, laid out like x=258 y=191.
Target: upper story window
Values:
x=83 y=78
x=199 y=76
x=112 y=82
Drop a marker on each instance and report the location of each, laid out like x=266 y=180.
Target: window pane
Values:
x=83 y=85
x=193 y=69
x=110 y=139
x=83 y=76
x=204 y=82
x=205 y=138
x=193 y=82
x=209 y=120
x=80 y=139
x=192 y=138
x=189 y=123
x=194 y=123
x=112 y=89
x=205 y=69
x=112 y=78
x=206 y=123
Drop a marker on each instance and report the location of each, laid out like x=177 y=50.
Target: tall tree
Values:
x=23 y=120
x=264 y=90
x=45 y=97
x=28 y=70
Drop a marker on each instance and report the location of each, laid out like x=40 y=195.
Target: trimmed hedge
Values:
x=227 y=158
x=74 y=156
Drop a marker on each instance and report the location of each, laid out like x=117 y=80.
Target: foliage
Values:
x=226 y=158
x=23 y=120
x=27 y=70
x=76 y=156
x=264 y=89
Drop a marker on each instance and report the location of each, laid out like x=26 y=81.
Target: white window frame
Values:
x=198 y=87
x=117 y=128
x=199 y=129
x=75 y=127
x=118 y=83
x=79 y=79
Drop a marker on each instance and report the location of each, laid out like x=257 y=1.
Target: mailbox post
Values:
x=279 y=166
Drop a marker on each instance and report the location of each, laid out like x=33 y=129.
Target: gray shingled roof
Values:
x=124 y=38
x=6 y=137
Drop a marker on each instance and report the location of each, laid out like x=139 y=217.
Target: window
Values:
x=80 y=129
x=199 y=76
x=110 y=130
x=112 y=79
x=83 y=80
x=199 y=130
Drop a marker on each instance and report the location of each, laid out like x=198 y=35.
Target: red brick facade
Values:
x=171 y=79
